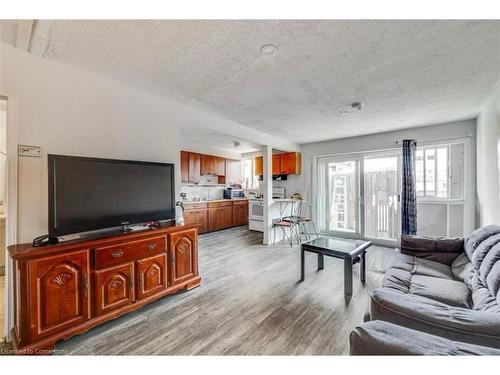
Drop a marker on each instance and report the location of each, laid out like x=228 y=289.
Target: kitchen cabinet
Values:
x=240 y=213
x=259 y=165
x=277 y=164
x=220 y=215
x=220 y=166
x=291 y=163
x=197 y=216
x=207 y=165
x=184 y=167
x=194 y=168
x=284 y=164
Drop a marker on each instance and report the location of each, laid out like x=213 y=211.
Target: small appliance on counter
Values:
x=231 y=193
x=278 y=192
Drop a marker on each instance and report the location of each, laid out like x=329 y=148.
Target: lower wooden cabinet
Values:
x=65 y=289
x=197 y=217
x=240 y=213
x=183 y=256
x=220 y=218
x=58 y=289
x=114 y=288
x=151 y=276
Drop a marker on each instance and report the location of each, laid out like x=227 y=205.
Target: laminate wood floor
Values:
x=250 y=303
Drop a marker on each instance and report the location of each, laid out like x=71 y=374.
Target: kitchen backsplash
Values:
x=203 y=193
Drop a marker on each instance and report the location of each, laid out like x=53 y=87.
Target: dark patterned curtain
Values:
x=409 y=193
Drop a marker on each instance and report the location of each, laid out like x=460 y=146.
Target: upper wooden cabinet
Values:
x=259 y=165
x=194 y=168
x=207 y=165
x=277 y=164
x=286 y=163
x=190 y=167
x=194 y=165
x=184 y=167
x=291 y=163
x=220 y=166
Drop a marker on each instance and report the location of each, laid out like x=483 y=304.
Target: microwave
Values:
x=231 y=193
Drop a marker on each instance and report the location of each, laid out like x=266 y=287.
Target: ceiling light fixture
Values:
x=236 y=144
x=268 y=49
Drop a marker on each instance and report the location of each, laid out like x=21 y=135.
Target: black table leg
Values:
x=363 y=267
x=302 y=264
x=321 y=261
x=348 y=276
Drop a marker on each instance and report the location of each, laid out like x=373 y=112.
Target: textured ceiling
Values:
x=406 y=73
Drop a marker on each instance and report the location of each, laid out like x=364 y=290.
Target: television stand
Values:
x=66 y=289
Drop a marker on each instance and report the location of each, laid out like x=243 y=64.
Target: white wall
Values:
x=488 y=162
x=65 y=110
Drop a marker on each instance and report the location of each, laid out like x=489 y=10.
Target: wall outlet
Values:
x=30 y=151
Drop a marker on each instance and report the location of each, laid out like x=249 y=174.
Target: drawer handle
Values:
x=117 y=254
x=151 y=246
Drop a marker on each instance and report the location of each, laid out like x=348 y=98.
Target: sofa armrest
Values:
x=442 y=250
x=436 y=318
x=383 y=338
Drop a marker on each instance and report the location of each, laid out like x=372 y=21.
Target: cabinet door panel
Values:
x=194 y=168
x=276 y=164
x=152 y=276
x=240 y=214
x=183 y=255
x=59 y=293
x=220 y=218
x=197 y=217
x=184 y=167
x=207 y=165
x=220 y=166
x=259 y=165
x=114 y=288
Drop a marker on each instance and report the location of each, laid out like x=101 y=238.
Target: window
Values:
x=250 y=181
x=432 y=175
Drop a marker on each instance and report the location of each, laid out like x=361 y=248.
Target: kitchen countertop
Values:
x=215 y=200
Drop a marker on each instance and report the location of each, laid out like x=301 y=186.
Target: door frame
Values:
x=10 y=208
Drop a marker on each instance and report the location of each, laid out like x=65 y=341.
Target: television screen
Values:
x=88 y=194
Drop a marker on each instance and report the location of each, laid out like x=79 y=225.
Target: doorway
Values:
x=360 y=196
x=3 y=211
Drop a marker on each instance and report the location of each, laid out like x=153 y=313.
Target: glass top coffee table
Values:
x=351 y=251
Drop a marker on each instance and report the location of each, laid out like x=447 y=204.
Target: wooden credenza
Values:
x=66 y=289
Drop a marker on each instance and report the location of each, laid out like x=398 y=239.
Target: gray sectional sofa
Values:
x=446 y=290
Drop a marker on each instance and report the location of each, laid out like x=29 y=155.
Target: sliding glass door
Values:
x=341 y=191
x=358 y=196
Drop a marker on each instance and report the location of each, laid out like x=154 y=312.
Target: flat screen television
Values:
x=87 y=194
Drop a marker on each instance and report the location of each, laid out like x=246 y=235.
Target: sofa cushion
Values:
x=428 y=279
x=451 y=292
x=442 y=250
x=462 y=269
x=436 y=318
x=483 y=300
x=424 y=267
x=382 y=338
